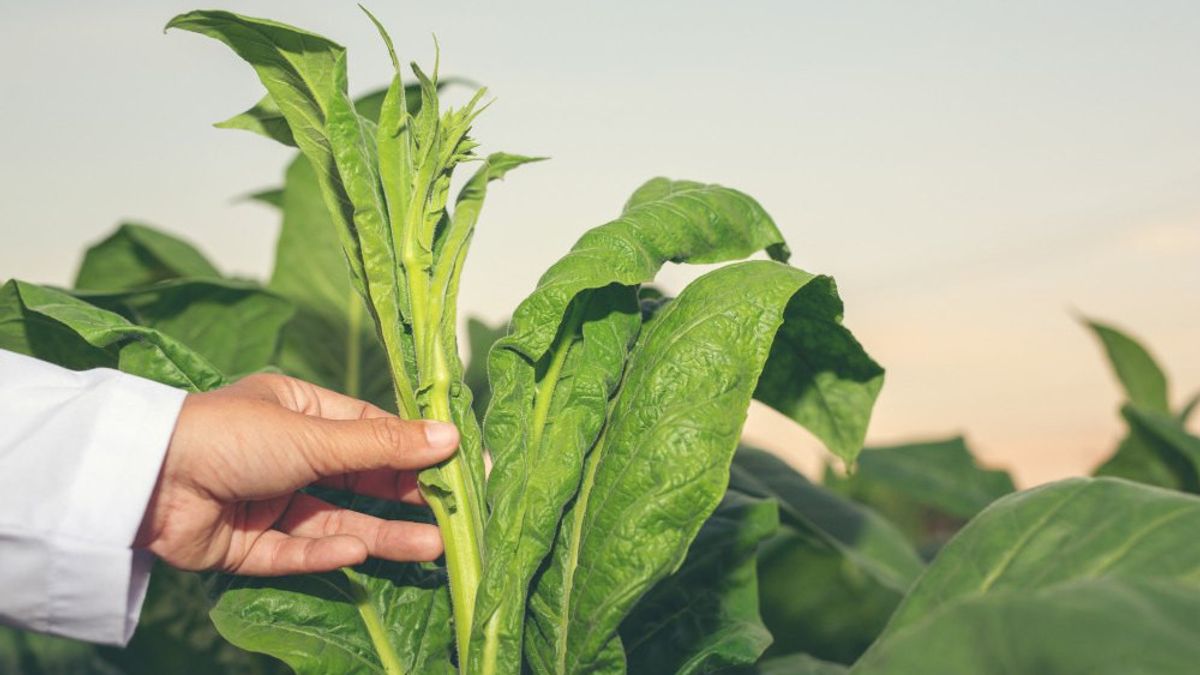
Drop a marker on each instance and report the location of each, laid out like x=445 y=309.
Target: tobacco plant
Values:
x=618 y=529
x=611 y=432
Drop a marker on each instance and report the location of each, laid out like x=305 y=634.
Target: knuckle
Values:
x=392 y=433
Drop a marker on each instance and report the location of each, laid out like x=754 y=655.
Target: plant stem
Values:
x=458 y=513
x=383 y=647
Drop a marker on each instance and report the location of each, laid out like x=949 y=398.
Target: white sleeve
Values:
x=80 y=454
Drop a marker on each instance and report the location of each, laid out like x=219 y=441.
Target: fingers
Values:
x=276 y=554
x=398 y=540
x=350 y=446
x=307 y=398
x=397 y=486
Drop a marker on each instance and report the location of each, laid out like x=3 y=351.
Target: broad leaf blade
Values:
x=1084 y=575
x=940 y=474
x=819 y=375
x=331 y=341
x=137 y=255
x=929 y=488
x=582 y=316
x=704 y=618
x=112 y=339
x=235 y=325
x=662 y=463
x=311 y=622
x=832 y=576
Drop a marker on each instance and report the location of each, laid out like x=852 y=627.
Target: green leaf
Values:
x=832 y=576
x=480 y=338
x=799 y=664
x=930 y=488
x=704 y=618
x=662 y=463
x=1177 y=450
x=575 y=329
x=939 y=474
x=305 y=77
x=1090 y=576
x=174 y=634
x=330 y=341
x=819 y=375
x=316 y=625
x=138 y=255
x=263 y=118
x=235 y=325
x=78 y=334
x=1143 y=458
x=24 y=653
x=1188 y=408
x=1143 y=380
x=28 y=332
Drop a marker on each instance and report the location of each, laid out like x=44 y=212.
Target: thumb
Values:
x=348 y=446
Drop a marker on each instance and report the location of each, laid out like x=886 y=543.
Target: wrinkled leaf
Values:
x=704 y=618
x=313 y=623
x=575 y=328
x=662 y=463
x=330 y=341
x=1080 y=576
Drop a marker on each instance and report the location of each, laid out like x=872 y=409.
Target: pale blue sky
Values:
x=969 y=171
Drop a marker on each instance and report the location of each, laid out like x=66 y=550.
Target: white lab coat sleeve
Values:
x=80 y=453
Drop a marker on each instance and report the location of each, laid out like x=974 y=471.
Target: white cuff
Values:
x=80 y=454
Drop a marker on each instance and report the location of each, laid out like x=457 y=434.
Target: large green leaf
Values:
x=1082 y=576
x=480 y=338
x=1143 y=379
x=929 y=488
x=832 y=576
x=59 y=328
x=174 y=634
x=317 y=623
x=305 y=77
x=331 y=340
x=235 y=325
x=939 y=474
x=662 y=462
x=137 y=255
x=704 y=618
x=575 y=329
x=798 y=664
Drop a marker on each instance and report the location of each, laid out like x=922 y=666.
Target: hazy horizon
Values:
x=973 y=176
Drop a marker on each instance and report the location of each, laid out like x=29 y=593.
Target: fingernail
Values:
x=441 y=435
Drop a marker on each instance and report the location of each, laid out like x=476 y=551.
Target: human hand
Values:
x=227 y=496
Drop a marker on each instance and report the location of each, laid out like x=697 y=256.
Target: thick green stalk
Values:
x=459 y=513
